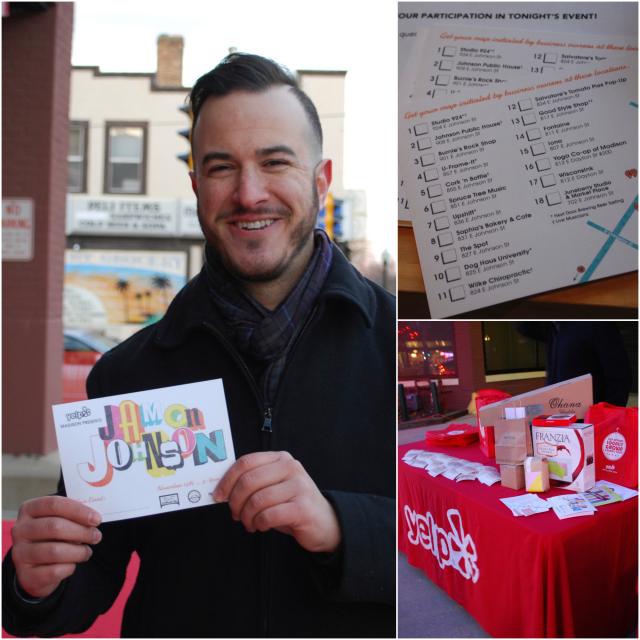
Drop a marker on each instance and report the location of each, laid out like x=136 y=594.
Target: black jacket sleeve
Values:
x=366 y=568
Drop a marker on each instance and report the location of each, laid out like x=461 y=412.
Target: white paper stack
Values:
x=457 y=469
x=526 y=505
x=571 y=506
x=624 y=492
x=598 y=496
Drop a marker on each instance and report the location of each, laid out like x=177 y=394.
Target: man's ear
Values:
x=323 y=180
x=194 y=182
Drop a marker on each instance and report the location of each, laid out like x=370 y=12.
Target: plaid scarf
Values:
x=262 y=336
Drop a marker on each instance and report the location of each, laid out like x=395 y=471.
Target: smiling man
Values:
x=259 y=179
x=301 y=540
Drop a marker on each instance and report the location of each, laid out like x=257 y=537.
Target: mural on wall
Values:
x=120 y=291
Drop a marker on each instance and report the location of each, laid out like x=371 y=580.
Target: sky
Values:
x=357 y=36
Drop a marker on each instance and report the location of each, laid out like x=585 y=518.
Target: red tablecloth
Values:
x=535 y=576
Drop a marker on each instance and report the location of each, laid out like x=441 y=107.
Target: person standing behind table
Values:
x=305 y=544
x=577 y=348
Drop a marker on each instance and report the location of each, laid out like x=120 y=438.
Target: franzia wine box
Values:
x=569 y=451
x=555 y=420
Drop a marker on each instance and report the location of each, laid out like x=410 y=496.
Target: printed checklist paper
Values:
x=147 y=452
x=436 y=59
x=452 y=60
x=523 y=187
x=448 y=61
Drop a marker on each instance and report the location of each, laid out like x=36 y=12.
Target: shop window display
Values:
x=426 y=357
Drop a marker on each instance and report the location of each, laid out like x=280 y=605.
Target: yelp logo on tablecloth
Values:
x=453 y=548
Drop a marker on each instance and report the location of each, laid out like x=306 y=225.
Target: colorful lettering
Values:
x=130 y=421
x=112 y=430
x=150 y=418
x=175 y=416
x=209 y=447
x=119 y=455
x=186 y=441
x=153 y=444
x=178 y=416
x=127 y=437
x=99 y=472
x=195 y=419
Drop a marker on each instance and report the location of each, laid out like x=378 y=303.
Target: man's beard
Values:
x=299 y=239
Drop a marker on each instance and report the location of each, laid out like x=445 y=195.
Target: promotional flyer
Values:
x=148 y=452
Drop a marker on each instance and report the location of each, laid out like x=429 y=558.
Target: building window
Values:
x=426 y=350
x=426 y=361
x=508 y=351
x=126 y=161
x=77 y=158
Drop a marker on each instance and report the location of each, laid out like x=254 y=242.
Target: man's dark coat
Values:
x=201 y=573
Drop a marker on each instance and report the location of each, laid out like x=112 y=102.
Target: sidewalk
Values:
x=426 y=611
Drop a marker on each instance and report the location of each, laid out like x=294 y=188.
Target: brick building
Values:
x=35 y=115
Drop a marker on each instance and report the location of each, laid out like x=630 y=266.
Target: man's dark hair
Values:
x=249 y=72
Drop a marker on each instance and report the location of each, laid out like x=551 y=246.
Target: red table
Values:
x=535 y=576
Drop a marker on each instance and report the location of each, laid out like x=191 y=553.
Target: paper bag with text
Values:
x=512 y=440
x=616 y=443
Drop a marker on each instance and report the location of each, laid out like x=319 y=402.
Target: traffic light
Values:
x=186 y=133
x=338 y=231
x=325 y=218
x=328 y=214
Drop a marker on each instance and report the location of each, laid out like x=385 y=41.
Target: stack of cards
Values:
x=526 y=505
x=624 y=493
x=599 y=496
x=451 y=468
x=570 y=506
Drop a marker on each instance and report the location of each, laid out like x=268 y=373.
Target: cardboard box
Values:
x=569 y=452
x=536 y=474
x=555 y=420
x=512 y=440
x=570 y=396
x=529 y=411
x=512 y=476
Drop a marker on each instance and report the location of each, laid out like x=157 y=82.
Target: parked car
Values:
x=82 y=349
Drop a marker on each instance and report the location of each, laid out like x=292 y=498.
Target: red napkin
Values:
x=455 y=435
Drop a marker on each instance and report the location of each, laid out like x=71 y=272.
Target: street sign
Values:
x=17 y=229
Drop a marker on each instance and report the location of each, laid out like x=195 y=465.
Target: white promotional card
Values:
x=146 y=452
x=525 y=187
